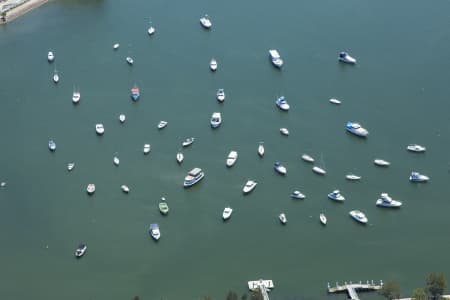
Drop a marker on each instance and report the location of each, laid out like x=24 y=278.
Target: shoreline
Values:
x=21 y=9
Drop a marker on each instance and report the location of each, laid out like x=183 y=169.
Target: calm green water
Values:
x=399 y=91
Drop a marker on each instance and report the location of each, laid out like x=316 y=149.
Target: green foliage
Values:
x=436 y=284
x=232 y=296
x=419 y=294
x=390 y=290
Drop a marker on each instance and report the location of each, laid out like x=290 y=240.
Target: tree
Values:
x=232 y=296
x=436 y=285
x=390 y=290
x=419 y=294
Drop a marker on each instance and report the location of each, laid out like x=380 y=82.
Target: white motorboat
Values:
x=194 y=176
x=307 y=158
x=76 y=96
x=90 y=188
x=154 y=231
x=213 y=64
x=356 y=129
x=232 y=157
x=319 y=170
x=187 y=142
x=386 y=201
x=352 y=177
x=284 y=131
x=417 y=177
x=381 y=162
x=180 y=157
x=280 y=168
x=346 y=58
x=151 y=30
x=125 y=188
x=261 y=149
x=282 y=218
x=227 y=213
x=99 y=129
x=416 y=148
x=249 y=186
x=116 y=46
x=81 y=250
x=358 y=216
x=205 y=22
x=51 y=145
x=55 y=77
x=147 y=148
x=122 y=118
x=116 y=161
x=216 y=119
x=323 y=219
x=282 y=103
x=297 y=195
x=162 y=124
x=335 y=101
x=275 y=58
x=336 y=195
x=129 y=60
x=50 y=56
x=220 y=95
x=70 y=166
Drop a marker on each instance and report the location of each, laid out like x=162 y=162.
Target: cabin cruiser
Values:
x=52 y=145
x=50 y=56
x=76 y=96
x=163 y=207
x=280 y=168
x=213 y=64
x=307 y=158
x=319 y=170
x=180 y=157
x=323 y=219
x=381 y=162
x=416 y=148
x=188 y=142
x=346 y=58
x=386 y=201
x=147 y=148
x=261 y=149
x=220 y=95
x=417 y=177
x=99 y=129
x=116 y=161
x=297 y=195
x=122 y=118
x=282 y=103
x=129 y=60
x=154 y=232
x=356 y=129
x=125 y=188
x=81 y=250
x=232 y=157
x=352 y=177
x=249 y=186
x=194 y=176
x=162 y=124
x=151 y=30
x=335 y=101
x=205 y=22
x=282 y=218
x=358 y=216
x=70 y=166
x=90 y=188
x=336 y=195
x=55 y=77
x=116 y=46
x=216 y=119
x=284 y=131
x=275 y=58
x=227 y=213
x=135 y=93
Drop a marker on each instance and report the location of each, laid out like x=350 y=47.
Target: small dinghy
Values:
x=76 y=96
x=70 y=166
x=125 y=189
x=129 y=60
x=146 y=149
x=90 y=188
x=80 y=251
x=284 y=131
x=116 y=46
x=122 y=118
x=213 y=64
x=99 y=129
x=52 y=145
x=50 y=56
x=162 y=124
x=55 y=77
x=116 y=161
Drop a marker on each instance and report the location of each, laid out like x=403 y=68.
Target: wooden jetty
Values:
x=352 y=288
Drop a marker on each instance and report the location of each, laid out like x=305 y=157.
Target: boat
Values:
x=162 y=124
x=81 y=250
x=125 y=188
x=297 y=195
x=346 y=58
x=135 y=94
x=275 y=58
x=70 y=166
x=116 y=161
x=336 y=195
x=213 y=64
x=249 y=186
x=280 y=168
x=147 y=148
x=116 y=46
x=122 y=118
x=205 y=22
x=416 y=148
x=335 y=101
x=232 y=157
x=386 y=201
x=129 y=60
x=154 y=232
x=55 y=77
x=284 y=131
x=76 y=96
x=90 y=188
x=282 y=103
x=187 y=142
x=220 y=95
x=381 y=162
x=180 y=157
x=50 y=56
x=216 y=119
x=356 y=129
x=261 y=149
x=227 y=213
x=319 y=170
x=417 y=177
x=358 y=216
x=52 y=145
x=282 y=218
x=307 y=158
x=194 y=176
x=151 y=30
x=352 y=177
x=163 y=207
x=323 y=219
x=99 y=129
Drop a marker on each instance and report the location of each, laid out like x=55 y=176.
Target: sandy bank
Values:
x=20 y=9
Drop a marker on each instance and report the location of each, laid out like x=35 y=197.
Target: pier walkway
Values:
x=263 y=285
x=352 y=288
